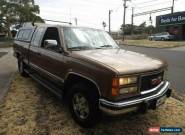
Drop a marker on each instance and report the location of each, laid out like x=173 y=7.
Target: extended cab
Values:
x=90 y=71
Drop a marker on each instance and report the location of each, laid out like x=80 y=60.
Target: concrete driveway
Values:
x=8 y=67
x=175 y=58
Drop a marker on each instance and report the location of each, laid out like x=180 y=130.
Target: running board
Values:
x=47 y=85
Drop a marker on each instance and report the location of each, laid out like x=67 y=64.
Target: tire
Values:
x=162 y=39
x=21 y=68
x=83 y=105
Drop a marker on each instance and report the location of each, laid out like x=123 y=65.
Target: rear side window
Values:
x=37 y=37
x=25 y=34
x=20 y=34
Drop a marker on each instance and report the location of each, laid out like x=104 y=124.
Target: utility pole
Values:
x=76 y=21
x=150 y=19
x=124 y=16
x=110 y=11
x=132 y=20
x=172 y=6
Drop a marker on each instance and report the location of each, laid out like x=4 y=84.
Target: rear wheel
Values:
x=83 y=105
x=21 y=67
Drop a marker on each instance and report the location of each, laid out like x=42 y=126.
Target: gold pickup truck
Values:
x=86 y=68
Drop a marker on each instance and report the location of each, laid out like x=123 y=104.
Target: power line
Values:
x=141 y=7
x=89 y=3
x=153 y=11
x=145 y=2
x=153 y=4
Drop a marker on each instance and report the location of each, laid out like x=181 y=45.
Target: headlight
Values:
x=128 y=90
x=118 y=82
x=127 y=80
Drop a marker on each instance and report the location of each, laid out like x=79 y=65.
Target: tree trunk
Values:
x=8 y=28
x=9 y=32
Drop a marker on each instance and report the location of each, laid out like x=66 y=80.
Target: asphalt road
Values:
x=175 y=58
x=8 y=67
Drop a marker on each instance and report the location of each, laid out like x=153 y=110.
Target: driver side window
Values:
x=51 y=40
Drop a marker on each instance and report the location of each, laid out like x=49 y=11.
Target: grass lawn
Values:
x=29 y=109
x=156 y=44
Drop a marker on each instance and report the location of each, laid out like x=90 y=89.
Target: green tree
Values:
x=128 y=29
x=150 y=29
x=13 y=13
x=141 y=28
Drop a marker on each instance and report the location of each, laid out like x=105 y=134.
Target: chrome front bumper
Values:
x=114 y=108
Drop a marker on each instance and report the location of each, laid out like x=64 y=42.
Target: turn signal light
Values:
x=115 y=87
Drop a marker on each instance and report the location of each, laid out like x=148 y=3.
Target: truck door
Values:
x=51 y=60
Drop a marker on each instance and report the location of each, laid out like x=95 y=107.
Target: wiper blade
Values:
x=79 y=47
x=106 y=46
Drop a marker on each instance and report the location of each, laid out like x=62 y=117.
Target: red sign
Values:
x=154 y=130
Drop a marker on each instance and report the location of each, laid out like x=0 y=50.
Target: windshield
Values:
x=86 y=38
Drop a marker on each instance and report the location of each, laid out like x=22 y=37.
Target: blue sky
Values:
x=92 y=13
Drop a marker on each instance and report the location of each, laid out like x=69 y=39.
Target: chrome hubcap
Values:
x=80 y=106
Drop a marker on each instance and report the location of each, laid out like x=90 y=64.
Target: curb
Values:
x=7 y=87
x=150 y=47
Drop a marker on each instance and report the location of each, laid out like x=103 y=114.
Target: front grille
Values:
x=147 y=81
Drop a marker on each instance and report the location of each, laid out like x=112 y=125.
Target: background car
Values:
x=162 y=36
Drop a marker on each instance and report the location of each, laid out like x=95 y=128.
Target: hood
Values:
x=122 y=61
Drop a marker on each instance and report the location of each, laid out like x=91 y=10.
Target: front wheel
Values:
x=83 y=105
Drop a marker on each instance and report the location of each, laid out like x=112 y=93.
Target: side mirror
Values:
x=50 y=43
